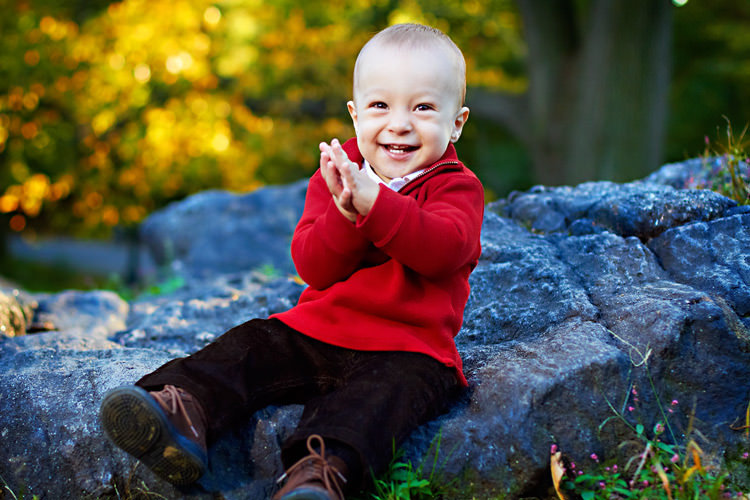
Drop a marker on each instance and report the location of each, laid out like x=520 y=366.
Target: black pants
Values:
x=361 y=400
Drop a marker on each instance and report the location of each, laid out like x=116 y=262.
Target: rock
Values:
x=591 y=306
x=52 y=443
x=74 y=321
x=710 y=256
x=678 y=175
x=16 y=311
x=219 y=232
x=583 y=321
x=201 y=311
x=637 y=209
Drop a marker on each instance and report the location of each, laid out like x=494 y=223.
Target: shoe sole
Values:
x=136 y=423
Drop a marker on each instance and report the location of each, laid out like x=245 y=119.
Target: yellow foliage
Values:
x=9 y=203
x=151 y=100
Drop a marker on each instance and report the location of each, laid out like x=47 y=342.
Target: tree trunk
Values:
x=598 y=82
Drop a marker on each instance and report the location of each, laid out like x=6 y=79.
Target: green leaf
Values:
x=666 y=447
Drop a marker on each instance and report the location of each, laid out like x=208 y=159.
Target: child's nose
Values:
x=400 y=122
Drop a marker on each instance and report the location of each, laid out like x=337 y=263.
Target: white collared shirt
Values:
x=395 y=184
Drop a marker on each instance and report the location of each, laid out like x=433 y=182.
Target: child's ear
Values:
x=459 y=122
x=353 y=113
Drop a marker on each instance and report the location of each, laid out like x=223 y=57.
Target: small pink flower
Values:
x=634 y=391
x=745 y=455
x=675 y=458
x=553 y=449
x=675 y=402
x=602 y=484
x=572 y=465
x=614 y=468
x=594 y=457
x=630 y=408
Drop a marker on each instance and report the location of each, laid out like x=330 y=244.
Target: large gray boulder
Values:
x=217 y=232
x=584 y=297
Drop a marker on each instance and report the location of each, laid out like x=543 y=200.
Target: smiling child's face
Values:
x=407 y=107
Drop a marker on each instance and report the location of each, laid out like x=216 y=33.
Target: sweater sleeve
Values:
x=436 y=238
x=326 y=247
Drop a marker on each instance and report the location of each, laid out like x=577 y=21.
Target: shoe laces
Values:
x=170 y=398
x=324 y=471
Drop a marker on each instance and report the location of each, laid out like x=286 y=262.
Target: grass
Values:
x=661 y=465
x=403 y=481
x=40 y=277
x=7 y=492
x=726 y=166
x=36 y=277
x=658 y=470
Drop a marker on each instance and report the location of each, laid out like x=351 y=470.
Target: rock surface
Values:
x=220 y=232
x=587 y=301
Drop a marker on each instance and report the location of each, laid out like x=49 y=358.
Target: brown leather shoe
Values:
x=166 y=430
x=314 y=477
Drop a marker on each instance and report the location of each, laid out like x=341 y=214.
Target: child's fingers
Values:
x=339 y=156
x=342 y=162
x=345 y=198
x=324 y=159
x=346 y=180
x=335 y=184
x=338 y=153
x=325 y=167
x=337 y=172
x=325 y=153
x=346 y=174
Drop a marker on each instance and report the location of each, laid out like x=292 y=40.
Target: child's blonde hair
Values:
x=418 y=36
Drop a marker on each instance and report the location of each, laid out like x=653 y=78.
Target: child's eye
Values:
x=424 y=107
x=379 y=105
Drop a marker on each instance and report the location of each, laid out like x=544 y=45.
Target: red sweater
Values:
x=398 y=278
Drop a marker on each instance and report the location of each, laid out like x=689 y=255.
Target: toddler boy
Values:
x=387 y=240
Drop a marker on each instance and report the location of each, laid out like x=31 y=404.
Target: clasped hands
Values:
x=353 y=191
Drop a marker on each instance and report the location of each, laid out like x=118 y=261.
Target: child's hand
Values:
x=342 y=195
x=361 y=188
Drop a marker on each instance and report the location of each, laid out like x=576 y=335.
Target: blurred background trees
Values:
x=110 y=110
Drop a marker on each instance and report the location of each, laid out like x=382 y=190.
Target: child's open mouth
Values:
x=399 y=149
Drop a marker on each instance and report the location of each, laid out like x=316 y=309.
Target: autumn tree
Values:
x=147 y=102
x=111 y=116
